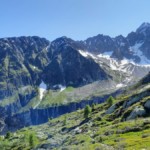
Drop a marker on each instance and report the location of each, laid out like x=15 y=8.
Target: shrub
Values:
x=110 y=101
x=93 y=107
x=8 y=134
x=33 y=141
x=65 y=121
x=87 y=111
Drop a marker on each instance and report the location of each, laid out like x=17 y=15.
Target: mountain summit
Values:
x=143 y=28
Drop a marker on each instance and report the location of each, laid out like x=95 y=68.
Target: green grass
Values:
x=92 y=134
x=99 y=131
x=53 y=98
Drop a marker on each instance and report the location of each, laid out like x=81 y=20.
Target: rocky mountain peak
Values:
x=144 y=27
x=62 y=41
x=65 y=42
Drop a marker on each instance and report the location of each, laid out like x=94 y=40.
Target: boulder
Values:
x=147 y=104
x=111 y=109
x=139 y=111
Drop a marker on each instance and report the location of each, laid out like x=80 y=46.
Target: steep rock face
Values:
x=29 y=60
x=146 y=79
x=134 y=47
x=21 y=101
x=39 y=116
x=3 y=114
x=119 y=46
x=123 y=48
x=68 y=67
x=100 y=44
x=17 y=59
x=141 y=36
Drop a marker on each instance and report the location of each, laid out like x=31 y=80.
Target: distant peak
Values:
x=63 y=38
x=62 y=41
x=145 y=24
x=143 y=27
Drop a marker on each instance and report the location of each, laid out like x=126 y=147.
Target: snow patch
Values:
x=137 y=52
x=125 y=61
x=106 y=54
x=120 y=85
x=83 y=53
x=113 y=65
x=48 y=46
x=124 y=65
x=87 y=54
x=60 y=87
x=42 y=90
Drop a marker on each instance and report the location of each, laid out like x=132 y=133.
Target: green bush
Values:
x=30 y=138
x=93 y=107
x=110 y=101
x=8 y=134
x=87 y=111
x=31 y=142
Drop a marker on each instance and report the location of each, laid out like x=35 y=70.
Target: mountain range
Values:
x=40 y=79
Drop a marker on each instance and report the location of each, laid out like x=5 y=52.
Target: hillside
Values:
x=123 y=125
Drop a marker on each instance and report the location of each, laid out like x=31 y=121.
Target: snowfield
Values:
x=124 y=65
x=42 y=90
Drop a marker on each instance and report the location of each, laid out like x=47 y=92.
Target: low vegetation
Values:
x=90 y=128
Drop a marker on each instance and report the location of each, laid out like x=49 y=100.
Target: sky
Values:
x=77 y=19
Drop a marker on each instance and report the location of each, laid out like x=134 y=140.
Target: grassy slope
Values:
x=99 y=131
x=72 y=131
x=70 y=94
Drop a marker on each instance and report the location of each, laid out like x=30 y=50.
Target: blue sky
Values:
x=77 y=19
